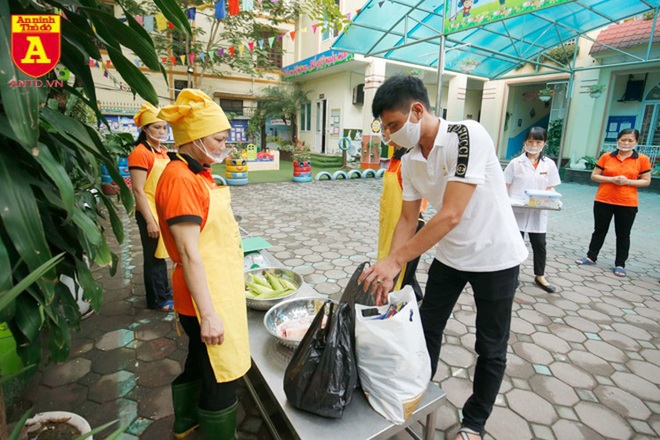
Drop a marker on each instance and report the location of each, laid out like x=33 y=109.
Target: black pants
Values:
x=624 y=217
x=215 y=396
x=493 y=296
x=156 y=284
x=537 y=239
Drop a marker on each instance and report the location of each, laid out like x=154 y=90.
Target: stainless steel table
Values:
x=360 y=421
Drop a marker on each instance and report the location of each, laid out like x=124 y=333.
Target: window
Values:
x=271 y=56
x=306 y=117
x=180 y=84
x=329 y=30
x=234 y=106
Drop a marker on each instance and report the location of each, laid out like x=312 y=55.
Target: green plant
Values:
x=301 y=153
x=589 y=162
x=546 y=91
x=284 y=102
x=555 y=129
x=596 y=88
x=562 y=54
x=51 y=195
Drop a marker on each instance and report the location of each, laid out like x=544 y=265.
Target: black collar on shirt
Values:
x=194 y=166
x=634 y=155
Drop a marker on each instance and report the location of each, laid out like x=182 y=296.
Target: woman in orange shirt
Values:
x=145 y=164
x=619 y=173
x=204 y=242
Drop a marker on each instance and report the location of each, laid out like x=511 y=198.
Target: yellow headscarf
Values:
x=148 y=114
x=194 y=116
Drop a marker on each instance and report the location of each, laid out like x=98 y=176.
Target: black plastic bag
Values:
x=322 y=374
x=354 y=292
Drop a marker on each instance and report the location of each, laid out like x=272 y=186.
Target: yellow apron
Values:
x=150 y=191
x=391 y=201
x=221 y=250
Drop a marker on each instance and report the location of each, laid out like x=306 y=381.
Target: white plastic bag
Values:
x=393 y=363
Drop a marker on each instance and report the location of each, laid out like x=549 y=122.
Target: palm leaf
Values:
x=6 y=297
x=132 y=75
x=174 y=13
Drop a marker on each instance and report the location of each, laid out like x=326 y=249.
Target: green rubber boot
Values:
x=218 y=425
x=185 y=397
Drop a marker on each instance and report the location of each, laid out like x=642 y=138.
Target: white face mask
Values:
x=158 y=139
x=408 y=135
x=533 y=149
x=625 y=147
x=219 y=158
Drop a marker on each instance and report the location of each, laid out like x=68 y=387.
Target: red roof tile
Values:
x=626 y=35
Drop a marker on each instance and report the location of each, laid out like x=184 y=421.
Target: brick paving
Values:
x=583 y=362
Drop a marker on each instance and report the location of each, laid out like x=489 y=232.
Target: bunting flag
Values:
x=91 y=62
x=137 y=63
x=211 y=56
x=221 y=52
x=247 y=5
x=380 y=4
x=202 y=55
x=251 y=46
x=357 y=11
x=261 y=44
x=303 y=30
x=183 y=59
x=234 y=7
x=191 y=13
x=191 y=57
x=173 y=60
x=149 y=23
x=170 y=25
x=108 y=63
x=293 y=35
x=240 y=49
x=348 y=16
x=140 y=19
x=161 y=22
x=271 y=40
x=280 y=36
x=314 y=26
x=106 y=74
x=220 y=11
x=232 y=51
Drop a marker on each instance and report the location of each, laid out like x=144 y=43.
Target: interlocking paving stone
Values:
x=532 y=353
x=148 y=351
x=106 y=362
x=542 y=432
x=460 y=388
x=636 y=385
x=606 y=351
x=506 y=424
x=66 y=373
x=159 y=373
x=567 y=333
x=551 y=342
x=112 y=386
x=602 y=420
x=566 y=429
x=115 y=339
x=622 y=402
x=572 y=376
x=531 y=407
x=553 y=390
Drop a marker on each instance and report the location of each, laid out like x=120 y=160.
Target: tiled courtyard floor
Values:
x=583 y=363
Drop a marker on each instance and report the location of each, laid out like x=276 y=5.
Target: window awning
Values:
x=411 y=31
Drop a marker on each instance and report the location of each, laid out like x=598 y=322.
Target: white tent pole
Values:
x=569 y=99
x=441 y=70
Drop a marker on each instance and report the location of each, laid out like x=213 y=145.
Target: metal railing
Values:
x=652 y=151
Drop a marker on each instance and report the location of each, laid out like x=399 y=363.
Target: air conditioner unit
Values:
x=358 y=94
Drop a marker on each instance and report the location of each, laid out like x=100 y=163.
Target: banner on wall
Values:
x=318 y=62
x=465 y=14
x=126 y=124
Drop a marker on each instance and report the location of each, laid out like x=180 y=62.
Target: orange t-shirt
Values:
x=631 y=167
x=143 y=157
x=182 y=196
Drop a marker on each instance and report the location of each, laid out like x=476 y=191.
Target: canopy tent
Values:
x=495 y=43
x=490 y=38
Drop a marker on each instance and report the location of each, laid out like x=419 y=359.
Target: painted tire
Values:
x=219 y=180
x=302 y=174
x=302 y=179
x=368 y=173
x=345 y=143
x=237 y=182
x=380 y=172
x=236 y=175
x=302 y=163
x=236 y=168
x=339 y=174
x=235 y=162
x=354 y=173
x=323 y=174
x=302 y=169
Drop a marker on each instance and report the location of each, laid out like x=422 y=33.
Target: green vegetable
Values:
x=274 y=281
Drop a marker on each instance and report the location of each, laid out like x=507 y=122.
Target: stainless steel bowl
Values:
x=265 y=304
x=289 y=310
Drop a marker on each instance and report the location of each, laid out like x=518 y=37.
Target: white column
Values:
x=374 y=76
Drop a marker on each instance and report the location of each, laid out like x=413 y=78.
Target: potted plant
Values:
x=589 y=162
x=595 y=90
x=236 y=166
x=302 y=165
x=545 y=94
x=468 y=65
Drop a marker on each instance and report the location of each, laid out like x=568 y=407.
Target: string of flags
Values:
x=105 y=66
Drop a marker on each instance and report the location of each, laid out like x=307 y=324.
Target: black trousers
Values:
x=537 y=239
x=493 y=296
x=156 y=283
x=624 y=217
x=215 y=396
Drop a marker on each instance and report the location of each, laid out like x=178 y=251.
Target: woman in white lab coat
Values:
x=532 y=170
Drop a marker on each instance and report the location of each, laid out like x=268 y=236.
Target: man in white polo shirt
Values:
x=454 y=167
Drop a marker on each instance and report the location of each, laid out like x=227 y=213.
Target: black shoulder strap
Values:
x=463 y=148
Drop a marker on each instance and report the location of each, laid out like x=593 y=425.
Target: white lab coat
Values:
x=521 y=175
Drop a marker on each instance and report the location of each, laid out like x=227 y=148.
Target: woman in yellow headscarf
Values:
x=203 y=240
x=145 y=164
